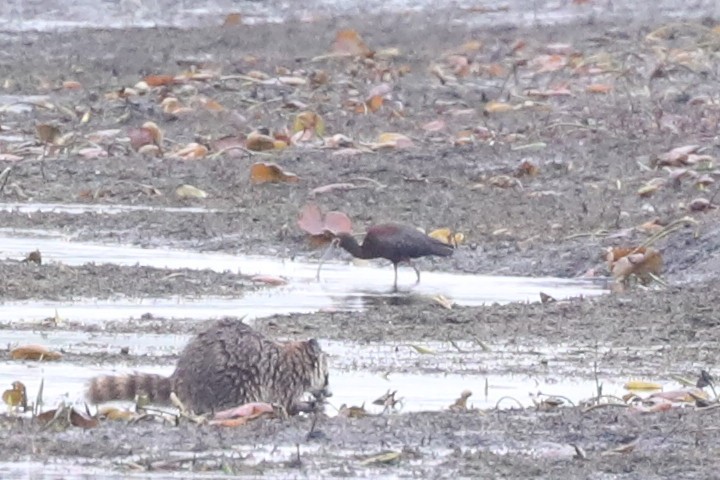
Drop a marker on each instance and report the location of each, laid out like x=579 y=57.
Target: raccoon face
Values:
x=319 y=385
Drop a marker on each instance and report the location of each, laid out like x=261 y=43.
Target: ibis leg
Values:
x=417 y=271
x=395 y=284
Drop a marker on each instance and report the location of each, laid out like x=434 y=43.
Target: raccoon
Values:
x=225 y=366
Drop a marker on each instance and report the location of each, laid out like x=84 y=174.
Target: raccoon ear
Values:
x=314 y=345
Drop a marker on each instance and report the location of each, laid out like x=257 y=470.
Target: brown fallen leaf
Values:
x=265 y=172
x=435 y=126
x=33 y=257
x=232 y=20
x=241 y=415
x=192 y=151
x=311 y=220
x=34 y=352
x=269 y=280
x=383 y=458
x=545 y=298
x=392 y=140
x=677 y=156
x=47 y=133
x=16 y=396
x=349 y=42
x=148 y=134
x=259 y=142
x=460 y=405
x=498 y=107
x=352 y=411
x=116 y=414
x=331 y=188
x=641 y=262
x=309 y=121
x=651 y=187
x=700 y=205
x=336 y=223
x=68 y=416
x=599 y=88
x=159 y=80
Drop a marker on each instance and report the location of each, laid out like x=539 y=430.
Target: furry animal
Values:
x=225 y=366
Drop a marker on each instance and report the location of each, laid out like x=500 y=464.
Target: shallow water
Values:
x=55 y=15
x=342 y=286
x=419 y=391
x=99 y=209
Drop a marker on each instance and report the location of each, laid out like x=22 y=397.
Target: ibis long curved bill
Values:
x=334 y=243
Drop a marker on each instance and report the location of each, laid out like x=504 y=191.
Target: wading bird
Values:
x=395 y=242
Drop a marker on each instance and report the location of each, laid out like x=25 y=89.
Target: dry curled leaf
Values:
x=268 y=280
x=498 y=107
x=677 y=156
x=446 y=235
x=352 y=411
x=651 y=187
x=265 y=172
x=641 y=262
x=188 y=191
x=16 y=396
x=116 y=414
x=47 y=133
x=192 y=151
x=259 y=142
x=460 y=405
x=312 y=221
x=34 y=352
x=700 y=205
x=309 y=121
x=148 y=134
x=443 y=301
x=159 y=80
x=641 y=385
x=422 y=350
x=383 y=458
x=601 y=88
x=349 y=42
x=232 y=20
x=392 y=140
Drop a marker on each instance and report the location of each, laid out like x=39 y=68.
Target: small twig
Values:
x=507 y=397
x=331 y=56
x=4 y=176
x=586 y=234
x=369 y=180
x=235 y=147
x=557 y=396
x=667 y=230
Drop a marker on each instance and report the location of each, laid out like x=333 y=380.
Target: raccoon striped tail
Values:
x=126 y=387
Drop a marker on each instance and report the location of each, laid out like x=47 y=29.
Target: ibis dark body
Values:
x=395 y=242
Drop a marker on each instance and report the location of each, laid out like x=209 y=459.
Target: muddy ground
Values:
x=592 y=152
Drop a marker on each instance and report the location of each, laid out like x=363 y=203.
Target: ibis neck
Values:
x=354 y=248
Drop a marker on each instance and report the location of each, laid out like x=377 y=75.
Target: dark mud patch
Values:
x=497 y=444
x=55 y=281
x=593 y=152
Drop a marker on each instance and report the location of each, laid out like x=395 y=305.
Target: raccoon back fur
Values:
x=225 y=366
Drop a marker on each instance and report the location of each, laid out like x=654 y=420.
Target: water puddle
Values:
x=343 y=286
x=58 y=16
x=81 y=208
x=418 y=391
x=360 y=373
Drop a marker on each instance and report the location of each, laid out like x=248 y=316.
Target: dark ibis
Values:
x=395 y=242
